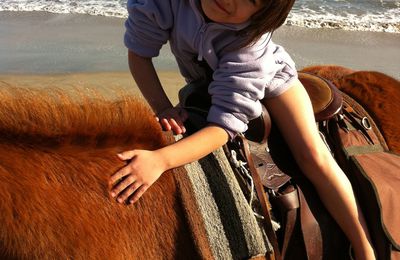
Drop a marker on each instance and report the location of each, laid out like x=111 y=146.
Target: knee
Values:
x=315 y=163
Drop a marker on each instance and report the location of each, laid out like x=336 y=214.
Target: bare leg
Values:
x=292 y=111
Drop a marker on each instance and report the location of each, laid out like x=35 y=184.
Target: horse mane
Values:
x=51 y=118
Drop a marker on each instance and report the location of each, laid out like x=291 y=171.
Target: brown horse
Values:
x=375 y=91
x=56 y=154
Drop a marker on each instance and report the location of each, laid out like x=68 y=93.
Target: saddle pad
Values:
x=223 y=223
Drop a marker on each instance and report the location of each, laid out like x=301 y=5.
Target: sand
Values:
x=39 y=49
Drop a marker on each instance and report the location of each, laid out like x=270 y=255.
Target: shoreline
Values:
x=41 y=43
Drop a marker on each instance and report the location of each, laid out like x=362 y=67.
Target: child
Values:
x=233 y=38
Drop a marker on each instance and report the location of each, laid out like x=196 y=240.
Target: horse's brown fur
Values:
x=329 y=72
x=56 y=154
x=378 y=93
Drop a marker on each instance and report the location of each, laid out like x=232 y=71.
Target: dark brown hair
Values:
x=268 y=19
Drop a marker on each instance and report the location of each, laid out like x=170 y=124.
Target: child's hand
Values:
x=130 y=182
x=172 y=119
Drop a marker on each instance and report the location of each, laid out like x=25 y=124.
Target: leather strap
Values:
x=291 y=217
x=287 y=201
x=288 y=205
x=262 y=196
x=310 y=229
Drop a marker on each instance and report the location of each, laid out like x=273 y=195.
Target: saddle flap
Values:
x=373 y=171
x=271 y=176
x=381 y=171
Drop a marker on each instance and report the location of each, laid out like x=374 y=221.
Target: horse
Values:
x=57 y=151
x=56 y=154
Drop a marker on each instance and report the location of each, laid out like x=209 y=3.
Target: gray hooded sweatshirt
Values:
x=241 y=76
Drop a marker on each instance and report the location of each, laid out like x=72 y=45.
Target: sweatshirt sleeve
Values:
x=148 y=26
x=284 y=72
x=244 y=77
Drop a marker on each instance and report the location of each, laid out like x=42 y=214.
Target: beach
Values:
x=40 y=49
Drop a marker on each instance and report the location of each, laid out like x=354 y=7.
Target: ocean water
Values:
x=356 y=15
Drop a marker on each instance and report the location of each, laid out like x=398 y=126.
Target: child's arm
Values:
x=146 y=78
x=145 y=167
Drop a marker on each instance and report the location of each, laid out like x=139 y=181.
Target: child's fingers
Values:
x=171 y=124
x=177 y=127
x=183 y=129
x=174 y=126
x=126 y=193
x=165 y=124
x=127 y=155
x=119 y=175
x=121 y=186
x=139 y=192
